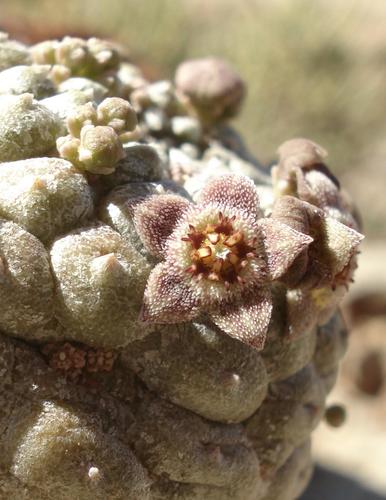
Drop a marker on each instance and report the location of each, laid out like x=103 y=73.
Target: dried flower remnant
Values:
x=301 y=172
x=219 y=258
x=96 y=135
x=100 y=360
x=65 y=358
x=74 y=361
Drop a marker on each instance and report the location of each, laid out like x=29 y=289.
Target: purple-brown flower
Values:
x=219 y=258
x=330 y=259
x=301 y=172
x=321 y=273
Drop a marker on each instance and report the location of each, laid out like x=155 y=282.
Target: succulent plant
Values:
x=168 y=327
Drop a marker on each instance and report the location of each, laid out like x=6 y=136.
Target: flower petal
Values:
x=282 y=245
x=167 y=298
x=233 y=191
x=341 y=244
x=246 y=321
x=292 y=212
x=318 y=188
x=155 y=219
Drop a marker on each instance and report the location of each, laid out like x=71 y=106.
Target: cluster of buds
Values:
x=74 y=361
x=96 y=134
x=159 y=95
x=161 y=112
x=77 y=57
x=204 y=93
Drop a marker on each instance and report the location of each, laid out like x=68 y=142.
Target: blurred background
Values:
x=314 y=68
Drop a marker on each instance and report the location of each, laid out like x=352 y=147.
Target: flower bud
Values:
x=104 y=54
x=73 y=53
x=44 y=52
x=84 y=115
x=68 y=147
x=210 y=88
x=100 y=149
x=118 y=114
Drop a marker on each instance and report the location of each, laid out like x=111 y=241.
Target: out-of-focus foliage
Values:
x=315 y=69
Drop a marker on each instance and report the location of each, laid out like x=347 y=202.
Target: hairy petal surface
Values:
x=233 y=191
x=167 y=298
x=282 y=245
x=292 y=212
x=155 y=219
x=248 y=320
x=318 y=188
x=341 y=242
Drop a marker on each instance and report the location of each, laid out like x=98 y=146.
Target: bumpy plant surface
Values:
x=168 y=321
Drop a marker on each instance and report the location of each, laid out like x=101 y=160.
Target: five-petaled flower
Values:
x=330 y=259
x=320 y=275
x=219 y=258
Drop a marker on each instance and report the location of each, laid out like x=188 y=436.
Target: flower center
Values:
x=219 y=252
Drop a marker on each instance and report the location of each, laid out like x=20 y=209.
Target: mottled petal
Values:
x=167 y=298
x=282 y=245
x=341 y=243
x=155 y=219
x=318 y=188
x=246 y=321
x=345 y=217
x=292 y=212
x=233 y=191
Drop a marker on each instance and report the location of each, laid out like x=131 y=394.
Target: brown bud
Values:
x=301 y=153
x=211 y=88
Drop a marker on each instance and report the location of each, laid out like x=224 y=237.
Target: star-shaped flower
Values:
x=219 y=258
x=321 y=273
x=330 y=259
